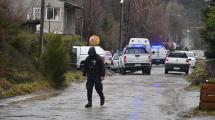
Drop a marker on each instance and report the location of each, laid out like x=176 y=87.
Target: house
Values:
x=60 y=15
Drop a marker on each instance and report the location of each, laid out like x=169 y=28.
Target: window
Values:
x=36 y=13
x=190 y=54
x=116 y=57
x=178 y=55
x=139 y=50
x=53 y=14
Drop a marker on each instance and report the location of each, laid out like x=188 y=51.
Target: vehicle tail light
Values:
x=188 y=61
x=111 y=62
x=125 y=59
x=103 y=59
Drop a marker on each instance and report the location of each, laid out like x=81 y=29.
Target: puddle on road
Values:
x=138 y=106
x=157 y=85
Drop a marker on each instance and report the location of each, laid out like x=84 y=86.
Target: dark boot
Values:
x=88 y=105
x=102 y=101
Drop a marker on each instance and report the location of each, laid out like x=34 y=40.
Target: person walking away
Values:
x=95 y=71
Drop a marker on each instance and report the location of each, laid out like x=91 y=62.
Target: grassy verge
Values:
x=25 y=88
x=199 y=75
x=73 y=76
x=8 y=89
x=198 y=112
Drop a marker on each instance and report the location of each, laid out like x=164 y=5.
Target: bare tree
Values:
x=175 y=17
x=147 y=19
x=92 y=15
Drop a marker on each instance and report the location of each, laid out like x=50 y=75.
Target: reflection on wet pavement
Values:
x=129 y=97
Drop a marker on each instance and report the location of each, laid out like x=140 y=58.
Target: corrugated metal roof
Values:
x=71 y=2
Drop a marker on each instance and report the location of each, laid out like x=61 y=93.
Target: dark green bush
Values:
x=73 y=40
x=208 y=32
x=22 y=42
x=55 y=59
x=35 y=53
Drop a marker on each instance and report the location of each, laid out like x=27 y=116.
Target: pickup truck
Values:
x=134 y=58
x=177 y=61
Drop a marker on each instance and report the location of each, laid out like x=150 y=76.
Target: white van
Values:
x=82 y=53
x=141 y=41
x=158 y=54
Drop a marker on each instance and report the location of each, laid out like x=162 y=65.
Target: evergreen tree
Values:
x=208 y=32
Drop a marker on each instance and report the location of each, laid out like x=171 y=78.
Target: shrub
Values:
x=208 y=32
x=35 y=53
x=73 y=40
x=74 y=76
x=5 y=85
x=22 y=42
x=199 y=75
x=55 y=59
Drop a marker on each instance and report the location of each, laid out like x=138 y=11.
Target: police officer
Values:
x=95 y=71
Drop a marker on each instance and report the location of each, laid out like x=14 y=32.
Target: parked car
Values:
x=108 y=59
x=134 y=58
x=191 y=57
x=177 y=61
x=115 y=62
x=81 y=53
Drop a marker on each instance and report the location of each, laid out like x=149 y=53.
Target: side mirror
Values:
x=189 y=59
x=153 y=52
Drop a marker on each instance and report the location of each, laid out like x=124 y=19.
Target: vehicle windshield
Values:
x=136 y=50
x=108 y=53
x=116 y=57
x=178 y=55
x=190 y=54
x=159 y=50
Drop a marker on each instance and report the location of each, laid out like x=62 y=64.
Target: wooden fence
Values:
x=207 y=96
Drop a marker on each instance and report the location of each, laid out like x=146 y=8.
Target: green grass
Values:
x=198 y=112
x=193 y=88
x=15 y=89
x=199 y=75
x=74 y=76
x=211 y=80
x=26 y=88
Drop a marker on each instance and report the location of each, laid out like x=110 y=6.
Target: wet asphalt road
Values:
x=130 y=97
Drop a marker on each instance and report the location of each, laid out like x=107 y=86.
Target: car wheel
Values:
x=166 y=71
x=143 y=72
x=187 y=72
x=148 y=72
x=120 y=70
x=123 y=71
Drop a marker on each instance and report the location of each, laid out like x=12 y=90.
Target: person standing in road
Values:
x=95 y=71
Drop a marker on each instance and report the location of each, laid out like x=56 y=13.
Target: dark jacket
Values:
x=94 y=65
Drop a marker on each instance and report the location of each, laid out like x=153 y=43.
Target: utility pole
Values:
x=42 y=25
x=120 y=28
